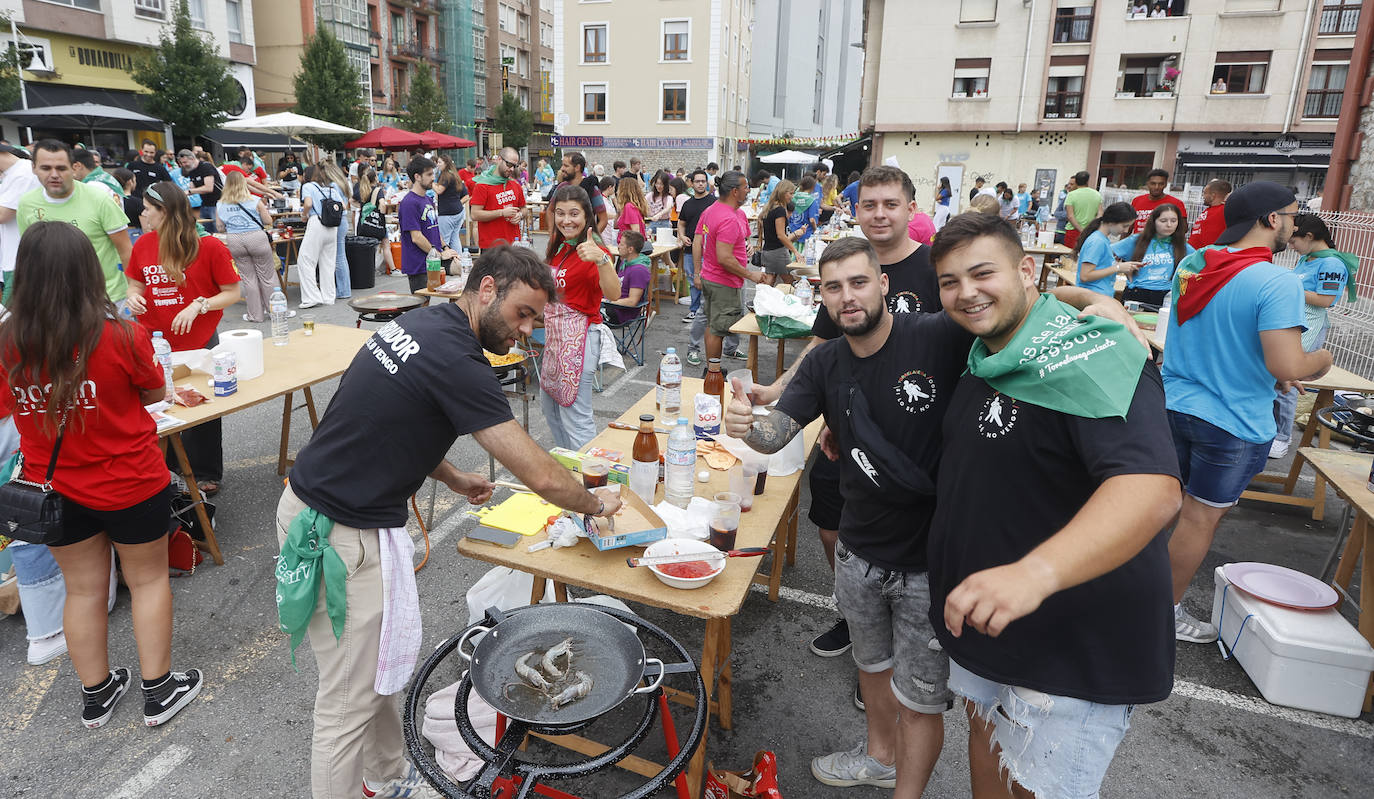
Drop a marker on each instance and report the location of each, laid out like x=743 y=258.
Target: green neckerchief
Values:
x=306 y=558
x=572 y=244
x=1352 y=268
x=491 y=177
x=1085 y=368
x=99 y=175
x=802 y=200
x=641 y=259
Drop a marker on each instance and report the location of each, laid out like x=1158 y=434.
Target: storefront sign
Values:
x=636 y=143
x=1283 y=144
x=577 y=141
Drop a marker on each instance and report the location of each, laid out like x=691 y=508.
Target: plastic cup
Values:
x=742 y=483
x=308 y=324
x=746 y=382
x=725 y=520
x=595 y=472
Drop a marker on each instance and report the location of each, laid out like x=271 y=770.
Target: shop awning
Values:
x=1312 y=161
x=1261 y=161
x=847 y=148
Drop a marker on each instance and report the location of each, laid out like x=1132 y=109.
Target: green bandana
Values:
x=802 y=200
x=1085 y=368
x=491 y=177
x=306 y=557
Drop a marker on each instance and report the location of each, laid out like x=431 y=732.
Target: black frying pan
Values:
x=603 y=647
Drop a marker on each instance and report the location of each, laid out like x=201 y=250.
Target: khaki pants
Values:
x=357 y=730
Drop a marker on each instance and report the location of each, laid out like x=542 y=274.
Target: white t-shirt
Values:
x=14 y=183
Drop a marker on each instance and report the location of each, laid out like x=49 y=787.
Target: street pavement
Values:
x=248 y=735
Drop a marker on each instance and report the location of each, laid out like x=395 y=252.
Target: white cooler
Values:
x=1307 y=659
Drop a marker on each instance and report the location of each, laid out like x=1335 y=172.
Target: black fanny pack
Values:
x=889 y=470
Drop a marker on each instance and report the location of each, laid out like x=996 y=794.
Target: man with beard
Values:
x=345 y=507
x=497 y=202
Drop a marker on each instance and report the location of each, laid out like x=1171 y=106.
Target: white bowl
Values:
x=684 y=546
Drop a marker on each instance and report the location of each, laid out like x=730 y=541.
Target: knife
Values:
x=624 y=426
x=747 y=552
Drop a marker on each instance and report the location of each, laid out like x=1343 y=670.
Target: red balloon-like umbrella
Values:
x=387 y=138
x=442 y=141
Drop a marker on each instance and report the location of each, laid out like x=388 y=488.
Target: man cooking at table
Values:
x=346 y=506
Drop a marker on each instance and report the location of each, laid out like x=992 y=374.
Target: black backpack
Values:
x=331 y=210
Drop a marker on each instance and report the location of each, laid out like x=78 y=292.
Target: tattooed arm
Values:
x=766 y=434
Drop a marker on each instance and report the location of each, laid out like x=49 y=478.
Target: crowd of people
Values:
x=934 y=360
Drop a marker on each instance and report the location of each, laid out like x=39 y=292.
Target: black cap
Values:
x=1251 y=203
x=15 y=151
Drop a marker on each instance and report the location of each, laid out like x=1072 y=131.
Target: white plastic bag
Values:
x=769 y=301
x=502 y=588
x=791 y=458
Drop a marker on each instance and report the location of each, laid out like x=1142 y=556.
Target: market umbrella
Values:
x=386 y=138
x=442 y=141
x=789 y=157
x=82 y=115
x=288 y=124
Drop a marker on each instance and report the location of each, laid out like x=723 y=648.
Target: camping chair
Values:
x=628 y=335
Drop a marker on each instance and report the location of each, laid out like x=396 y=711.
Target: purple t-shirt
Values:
x=635 y=276
x=417 y=212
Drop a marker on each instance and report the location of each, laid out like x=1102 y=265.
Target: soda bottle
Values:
x=276 y=305
x=715 y=381
x=669 y=393
x=162 y=353
x=644 y=467
x=434 y=270
x=680 y=465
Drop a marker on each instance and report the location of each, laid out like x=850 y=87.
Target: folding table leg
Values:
x=1345 y=569
x=211 y=543
x=1367 y=605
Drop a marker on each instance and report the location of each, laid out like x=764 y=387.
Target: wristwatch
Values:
x=204 y=304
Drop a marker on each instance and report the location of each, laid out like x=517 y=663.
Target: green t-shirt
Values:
x=1086 y=204
x=93 y=212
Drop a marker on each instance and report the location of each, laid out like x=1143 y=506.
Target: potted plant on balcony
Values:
x=1167 y=83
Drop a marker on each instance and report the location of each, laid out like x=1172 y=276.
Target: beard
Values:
x=495 y=334
x=870 y=320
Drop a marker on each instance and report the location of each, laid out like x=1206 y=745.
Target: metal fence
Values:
x=1351 y=338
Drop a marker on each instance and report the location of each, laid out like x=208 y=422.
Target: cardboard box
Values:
x=636 y=524
x=572 y=459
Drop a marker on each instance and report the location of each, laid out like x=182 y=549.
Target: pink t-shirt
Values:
x=922 y=228
x=631 y=219
x=720 y=222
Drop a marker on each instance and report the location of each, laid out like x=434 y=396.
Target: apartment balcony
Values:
x=419 y=6
x=413 y=51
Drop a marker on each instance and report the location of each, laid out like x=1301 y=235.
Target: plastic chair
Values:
x=628 y=335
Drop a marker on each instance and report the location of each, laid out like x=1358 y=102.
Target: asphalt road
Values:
x=248 y=735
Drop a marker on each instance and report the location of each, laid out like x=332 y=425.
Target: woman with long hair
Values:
x=585 y=273
x=611 y=235
x=632 y=209
x=660 y=202
x=370 y=190
x=78 y=371
x=343 y=280
x=180 y=282
x=1097 y=266
x=450 y=192
x=315 y=260
x=391 y=174
x=778 y=248
x=1154 y=254
x=830 y=197
x=243 y=218
x=942 y=198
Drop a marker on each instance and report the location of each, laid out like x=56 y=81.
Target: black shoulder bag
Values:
x=885 y=465
x=271 y=245
x=32 y=512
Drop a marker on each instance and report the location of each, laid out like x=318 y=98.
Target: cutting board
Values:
x=522 y=513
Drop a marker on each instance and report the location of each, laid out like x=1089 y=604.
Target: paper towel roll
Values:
x=247 y=348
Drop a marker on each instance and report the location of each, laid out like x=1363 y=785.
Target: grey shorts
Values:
x=889 y=623
x=777 y=262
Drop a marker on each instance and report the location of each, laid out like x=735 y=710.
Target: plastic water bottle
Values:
x=809 y=253
x=669 y=393
x=803 y=291
x=1162 y=320
x=464 y=265
x=162 y=353
x=680 y=465
x=277 y=305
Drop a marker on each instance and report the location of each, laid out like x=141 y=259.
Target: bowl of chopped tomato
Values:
x=686 y=574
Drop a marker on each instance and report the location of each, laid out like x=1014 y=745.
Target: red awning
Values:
x=442 y=141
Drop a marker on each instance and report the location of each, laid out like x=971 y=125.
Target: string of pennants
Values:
x=805 y=141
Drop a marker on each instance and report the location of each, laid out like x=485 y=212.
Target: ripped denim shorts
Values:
x=1053 y=746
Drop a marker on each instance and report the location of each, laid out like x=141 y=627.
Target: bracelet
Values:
x=601 y=507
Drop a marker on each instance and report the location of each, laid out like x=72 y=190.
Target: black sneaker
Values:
x=163 y=701
x=832 y=642
x=97 y=706
x=858 y=696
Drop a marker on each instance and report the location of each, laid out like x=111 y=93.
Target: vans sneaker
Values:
x=833 y=642
x=855 y=767
x=166 y=698
x=98 y=704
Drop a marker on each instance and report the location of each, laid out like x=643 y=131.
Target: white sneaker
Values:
x=410 y=786
x=1193 y=630
x=46 y=649
x=1278 y=449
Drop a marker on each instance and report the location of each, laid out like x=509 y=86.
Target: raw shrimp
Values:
x=530 y=675
x=580 y=686
x=561 y=649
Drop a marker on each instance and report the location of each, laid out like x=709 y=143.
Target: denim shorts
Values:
x=889 y=623
x=1215 y=466
x=1053 y=746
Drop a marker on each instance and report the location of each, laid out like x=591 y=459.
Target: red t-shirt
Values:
x=1144 y=206
x=466 y=176
x=1210 y=222
x=212 y=268
x=257 y=174
x=109 y=458
x=579 y=281
x=494 y=198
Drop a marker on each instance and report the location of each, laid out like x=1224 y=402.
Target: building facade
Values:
x=85 y=49
x=667 y=81
x=519 y=59
x=802 y=90
x=1034 y=92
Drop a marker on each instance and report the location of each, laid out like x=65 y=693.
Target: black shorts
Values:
x=137 y=524
x=826 y=502
x=1146 y=296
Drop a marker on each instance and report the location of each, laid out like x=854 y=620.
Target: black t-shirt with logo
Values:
x=418 y=384
x=146 y=174
x=198 y=175
x=1014 y=474
x=907 y=385
x=692 y=210
x=911 y=288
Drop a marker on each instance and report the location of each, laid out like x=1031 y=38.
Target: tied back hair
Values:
x=57 y=315
x=1115 y=214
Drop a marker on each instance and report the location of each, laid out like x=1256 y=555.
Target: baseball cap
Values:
x=1251 y=203
x=15 y=151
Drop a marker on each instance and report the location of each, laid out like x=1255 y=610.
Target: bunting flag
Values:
x=806 y=141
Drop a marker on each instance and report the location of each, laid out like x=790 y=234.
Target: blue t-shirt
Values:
x=1322 y=275
x=239 y=217
x=805 y=220
x=417 y=212
x=1214 y=365
x=1158 y=272
x=1097 y=250
x=851 y=193
x=1023 y=203
x=316 y=194
x=768 y=190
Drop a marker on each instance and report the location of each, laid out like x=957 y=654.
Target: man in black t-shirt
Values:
x=882 y=387
x=887 y=201
x=205 y=181
x=1049 y=573
x=700 y=199
x=146 y=168
x=418 y=384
